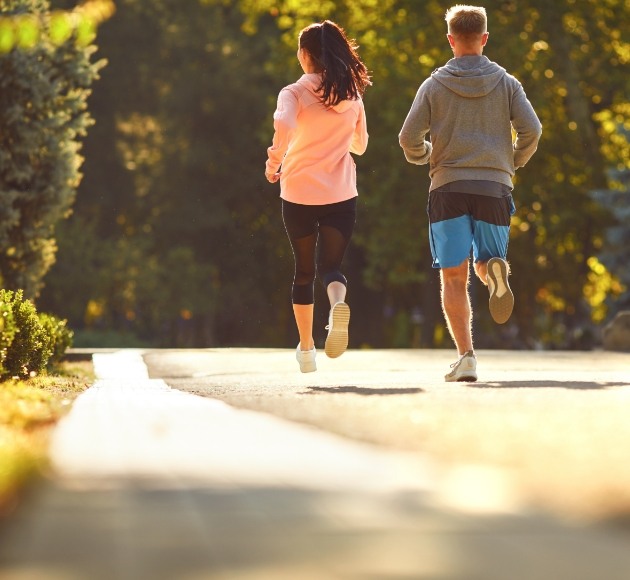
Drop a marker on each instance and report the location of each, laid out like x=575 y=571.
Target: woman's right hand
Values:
x=273 y=177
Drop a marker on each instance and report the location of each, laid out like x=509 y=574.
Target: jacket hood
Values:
x=312 y=82
x=470 y=76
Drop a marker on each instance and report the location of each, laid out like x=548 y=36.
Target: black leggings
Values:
x=333 y=225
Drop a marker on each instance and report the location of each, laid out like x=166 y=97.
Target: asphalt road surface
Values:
x=551 y=428
x=230 y=464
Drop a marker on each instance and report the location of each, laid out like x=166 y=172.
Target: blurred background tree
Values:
x=177 y=240
x=45 y=77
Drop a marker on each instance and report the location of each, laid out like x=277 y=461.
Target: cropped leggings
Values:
x=319 y=236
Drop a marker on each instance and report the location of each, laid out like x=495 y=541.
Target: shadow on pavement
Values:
x=363 y=390
x=137 y=533
x=578 y=385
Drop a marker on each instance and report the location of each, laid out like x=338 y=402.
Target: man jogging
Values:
x=470 y=106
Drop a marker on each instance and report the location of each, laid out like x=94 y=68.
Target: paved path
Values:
x=554 y=423
x=153 y=482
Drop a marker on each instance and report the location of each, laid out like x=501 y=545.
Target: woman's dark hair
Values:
x=344 y=76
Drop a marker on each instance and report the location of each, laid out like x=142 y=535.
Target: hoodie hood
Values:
x=470 y=76
x=312 y=82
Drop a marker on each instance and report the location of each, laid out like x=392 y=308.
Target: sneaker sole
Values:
x=468 y=375
x=500 y=306
x=465 y=378
x=337 y=339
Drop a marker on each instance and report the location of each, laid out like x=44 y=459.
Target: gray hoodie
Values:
x=469 y=107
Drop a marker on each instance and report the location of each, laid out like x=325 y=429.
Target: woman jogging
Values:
x=318 y=122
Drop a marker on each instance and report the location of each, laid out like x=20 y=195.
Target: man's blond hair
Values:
x=466 y=21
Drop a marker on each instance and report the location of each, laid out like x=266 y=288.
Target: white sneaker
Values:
x=501 y=297
x=337 y=339
x=306 y=358
x=464 y=369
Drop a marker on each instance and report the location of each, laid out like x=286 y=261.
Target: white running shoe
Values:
x=337 y=339
x=464 y=369
x=501 y=297
x=306 y=358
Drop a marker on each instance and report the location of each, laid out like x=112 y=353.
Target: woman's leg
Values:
x=335 y=232
x=336 y=292
x=304 y=320
x=301 y=225
x=332 y=248
x=302 y=291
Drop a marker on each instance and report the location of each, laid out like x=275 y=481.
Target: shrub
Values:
x=7 y=333
x=59 y=335
x=31 y=346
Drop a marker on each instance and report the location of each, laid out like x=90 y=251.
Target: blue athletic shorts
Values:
x=459 y=222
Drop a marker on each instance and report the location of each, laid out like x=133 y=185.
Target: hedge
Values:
x=30 y=342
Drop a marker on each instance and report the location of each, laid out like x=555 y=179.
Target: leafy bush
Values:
x=30 y=349
x=59 y=335
x=29 y=340
x=7 y=333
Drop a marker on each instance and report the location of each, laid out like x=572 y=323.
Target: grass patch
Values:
x=29 y=409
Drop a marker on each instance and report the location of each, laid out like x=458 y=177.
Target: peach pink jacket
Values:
x=313 y=143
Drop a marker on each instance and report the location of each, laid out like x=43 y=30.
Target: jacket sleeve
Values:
x=360 y=136
x=527 y=127
x=416 y=126
x=284 y=123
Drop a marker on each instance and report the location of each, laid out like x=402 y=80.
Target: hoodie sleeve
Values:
x=527 y=127
x=412 y=135
x=360 y=136
x=284 y=123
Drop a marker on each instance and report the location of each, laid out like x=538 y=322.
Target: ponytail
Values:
x=344 y=76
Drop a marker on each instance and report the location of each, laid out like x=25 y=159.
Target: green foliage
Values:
x=570 y=57
x=108 y=339
x=43 y=116
x=24 y=31
x=615 y=253
x=59 y=337
x=7 y=333
x=175 y=229
x=178 y=239
x=32 y=345
x=29 y=341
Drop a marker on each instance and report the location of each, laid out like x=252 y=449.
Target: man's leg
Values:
x=491 y=219
x=456 y=305
x=481 y=269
